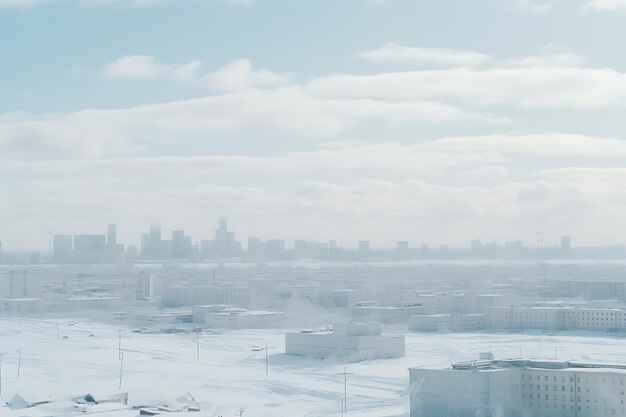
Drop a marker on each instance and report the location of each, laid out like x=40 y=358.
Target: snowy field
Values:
x=230 y=376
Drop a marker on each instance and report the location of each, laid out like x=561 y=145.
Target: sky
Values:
x=435 y=121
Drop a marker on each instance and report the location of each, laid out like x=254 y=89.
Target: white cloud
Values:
x=605 y=5
x=548 y=145
x=286 y=110
x=531 y=87
x=239 y=75
x=548 y=60
x=436 y=56
x=146 y=67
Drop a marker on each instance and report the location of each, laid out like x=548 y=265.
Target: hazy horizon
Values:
x=433 y=122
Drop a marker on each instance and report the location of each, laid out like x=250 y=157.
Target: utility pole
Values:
x=19 y=363
x=119 y=344
x=121 y=368
x=345 y=389
x=345 y=374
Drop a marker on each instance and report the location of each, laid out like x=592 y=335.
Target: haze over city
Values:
x=382 y=120
x=330 y=208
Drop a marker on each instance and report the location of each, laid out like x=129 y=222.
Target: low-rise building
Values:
x=240 y=318
x=447 y=322
x=20 y=306
x=558 y=318
x=88 y=303
x=200 y=312
x=354 y=341
x=385 y=314
x=519 y=388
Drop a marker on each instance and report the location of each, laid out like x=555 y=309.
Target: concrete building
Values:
x=112 y=236
x=364 y=247
x=455 y=323
x=199 y=312
x=224 y=244
x=459 y=303
x=181 y=245
x=402 y=247
x=566 y=244
x=90 y=249
x=519 y=388
x=145 y=285
x=20 y=306
x=558 y=318
x=354 y=341
x=190 y=295
x=275 y=248
x=240 y=318
x=62 y=249
x=19 y=284
x=343 y=298
x=444 y=303
x=588 y=289
x=385 y=314
x=93 y=303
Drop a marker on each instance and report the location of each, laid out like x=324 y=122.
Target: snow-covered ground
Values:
x=230 y=376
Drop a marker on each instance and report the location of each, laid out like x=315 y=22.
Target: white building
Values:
x=459 y=303
x=145 y=286
x=558 y=318
x=199 y=312
x=19 y=284
x=190 y=295
x=353 y=341
x=447 y=322
x=589 y=289
x=89 y=303
x=338 y=298
x=20 y=306
x=240 y=318
x=385 y=314
x=519 y=388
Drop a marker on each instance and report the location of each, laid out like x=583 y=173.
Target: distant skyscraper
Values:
x=111 y=235
x=157 y=248
x=476 y=247
x=566 y=243
x=364 y=246
x=181 y=244
x=62 y=248
x=402 y=246
x=155 y=235
x=89 y=248
x=254 y=246
x=145 y=245
x=275 y=248
x=206 y=248
x=333 y=249
x=224 y=243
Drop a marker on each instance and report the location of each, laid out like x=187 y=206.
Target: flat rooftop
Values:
x=534 y=364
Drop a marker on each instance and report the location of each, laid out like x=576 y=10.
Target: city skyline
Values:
x=405 y=127
x=178 y=245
